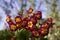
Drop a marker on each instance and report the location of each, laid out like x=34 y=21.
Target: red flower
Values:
x=25 y=19
x=38 y=15
x=33 y=19
x=27 y=15
x=43 y=31
x=35 y=33
x=9 y=20
x=45 y=25
x=30 y=10
x=30 y=25
x=50 y=20
x=18 y=25
x=18 y=19
x=12 y=27
x=23 y=24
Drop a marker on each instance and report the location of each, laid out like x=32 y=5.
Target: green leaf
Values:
x=23 y=35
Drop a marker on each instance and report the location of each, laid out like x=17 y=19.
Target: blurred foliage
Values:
x=5 y=34
x=54 y=32
x=20 y=35
x=54 y=12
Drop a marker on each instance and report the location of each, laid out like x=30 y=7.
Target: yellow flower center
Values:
x=24 y=23
x=30 y=24
x=30 y=10
x=46 y=25
x=18 y=20
x=18 y=25
x=44 y=31
x=36 y=33
x=38 y=16
x=13 y=27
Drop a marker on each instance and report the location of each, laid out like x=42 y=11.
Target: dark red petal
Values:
x=46 y=25
x=38 y=15
x=30 y=10
x=44 y=31
x=8 y=19
x=33 y=19
x=35 y=33
x=11 y=27
x=28 y=27
x=50 y=19
x=18 y=25
x=19 y=19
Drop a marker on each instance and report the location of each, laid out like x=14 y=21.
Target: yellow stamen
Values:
x=18 y=25
x=38 y=16
x=13 y=27
x=24 y=22
x=31 y=10
x=44 y=31
x=46 y=25
x=18 y=20
x=8 y=19
x=30 y=24
x=36 y=34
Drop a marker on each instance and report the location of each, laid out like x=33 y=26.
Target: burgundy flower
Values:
x=44 y=31
x=30 y=10
x=50 y=20
x=9 y=20
x=33 y=19
x=38 y=15
x=35 y=33
x=25 y=18
x=23 y=24
x=12 y=27
x=30 y=25
x=18 y=19
x=18 y=25
x=46 y=25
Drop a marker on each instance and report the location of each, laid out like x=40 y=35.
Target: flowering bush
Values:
x=32 y=23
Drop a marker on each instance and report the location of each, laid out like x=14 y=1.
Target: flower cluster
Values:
x=33 y=23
